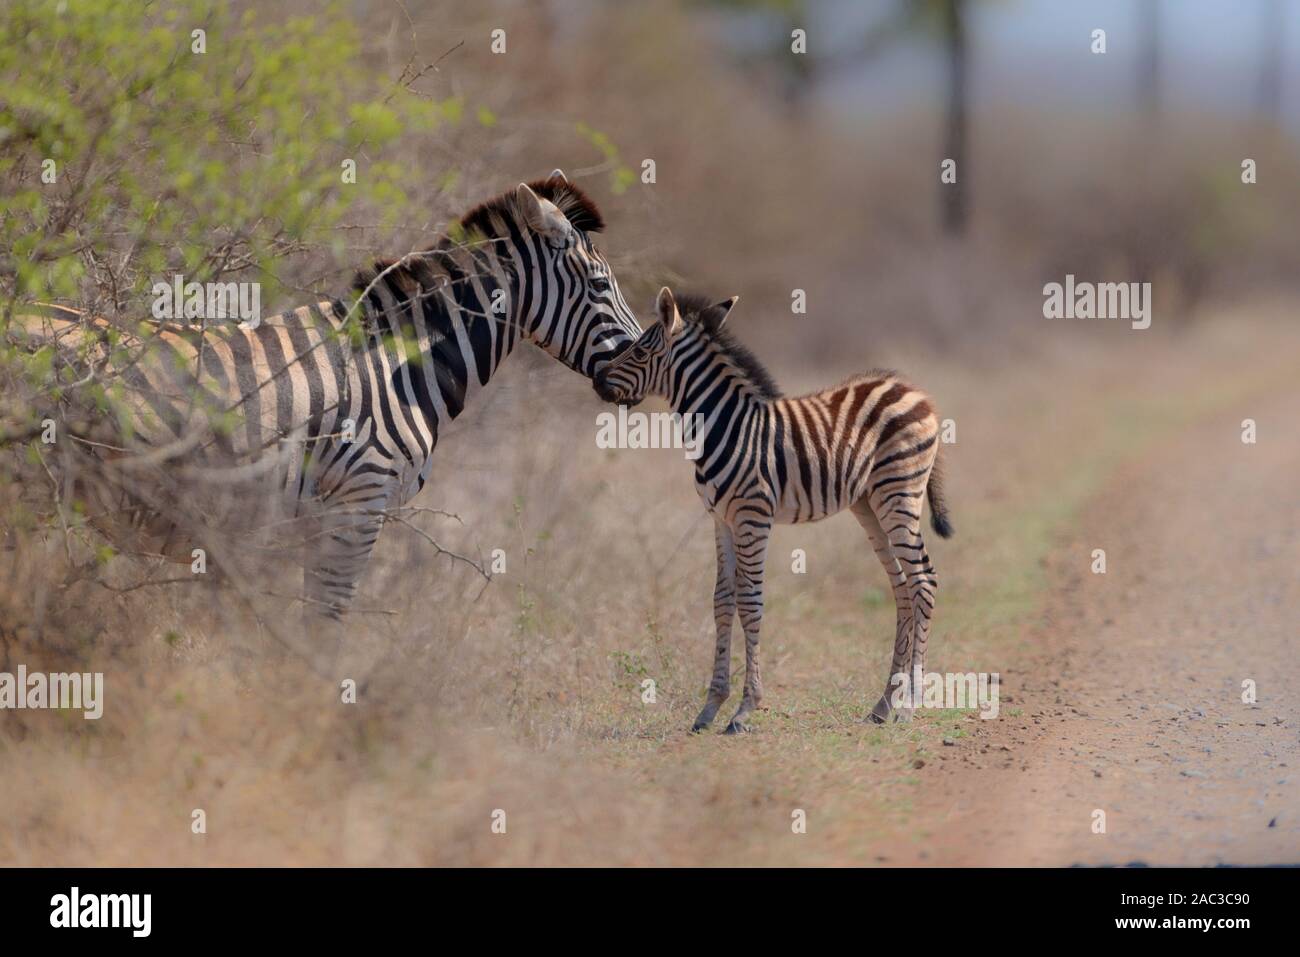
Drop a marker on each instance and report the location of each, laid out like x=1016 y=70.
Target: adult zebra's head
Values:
x=568 y=301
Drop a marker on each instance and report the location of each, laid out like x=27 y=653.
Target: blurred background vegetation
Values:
x=815 y=170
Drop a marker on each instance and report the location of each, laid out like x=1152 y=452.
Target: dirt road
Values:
x=1132 y=704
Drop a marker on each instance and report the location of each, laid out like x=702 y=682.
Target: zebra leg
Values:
x=751 y=556
x=903 y=529
x=902 y=602
x=335 y=565
x=724 y=611
x=923 y=585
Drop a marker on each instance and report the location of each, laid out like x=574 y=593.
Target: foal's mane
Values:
x=699 y=311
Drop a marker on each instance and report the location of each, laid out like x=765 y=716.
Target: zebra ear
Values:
x=542 y=216
x=719 y=311
x=666 y=307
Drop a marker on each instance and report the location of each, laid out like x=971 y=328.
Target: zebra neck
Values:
x=712 y=382
x=478 y=325
x=457 y=326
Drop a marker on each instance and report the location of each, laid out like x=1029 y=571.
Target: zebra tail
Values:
x=939 y=519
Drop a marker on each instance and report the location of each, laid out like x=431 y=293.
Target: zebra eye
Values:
x=600 y=284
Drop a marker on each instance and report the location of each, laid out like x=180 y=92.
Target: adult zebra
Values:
x=340 y=404
x=868 y=445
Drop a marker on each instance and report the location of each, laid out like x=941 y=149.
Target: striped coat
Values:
x=327 y=416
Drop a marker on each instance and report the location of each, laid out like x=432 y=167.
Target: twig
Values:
x=441 y=551
x=147 y=583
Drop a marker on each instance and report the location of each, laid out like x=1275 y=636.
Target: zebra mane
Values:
x=698 y=310
x=415 y=272
x=576 y=206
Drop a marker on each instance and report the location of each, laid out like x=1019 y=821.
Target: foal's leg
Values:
x=902 y=602
x=898 y=509
x=724 y=610
x=923 y=585
x=751 y=555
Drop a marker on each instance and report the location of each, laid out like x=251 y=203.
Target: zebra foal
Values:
x=868 y=445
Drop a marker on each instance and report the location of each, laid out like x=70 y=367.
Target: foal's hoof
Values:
x=880 y=713
x=699 y=726
x=737 y=727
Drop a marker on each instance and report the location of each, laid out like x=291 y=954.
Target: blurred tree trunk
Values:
x=1268 y=103
x=955 y=196
x=800 y=74
x=1149 y=58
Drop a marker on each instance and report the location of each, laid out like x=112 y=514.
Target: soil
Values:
x=1132 y=703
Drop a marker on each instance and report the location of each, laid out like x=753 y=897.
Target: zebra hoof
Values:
x=880 y=713
x=737 y=727
x=699 y=726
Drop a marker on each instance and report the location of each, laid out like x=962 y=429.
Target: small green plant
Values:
x=621 y=175
x=629 y=669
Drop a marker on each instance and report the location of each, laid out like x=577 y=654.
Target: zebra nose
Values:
x=601 y=385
